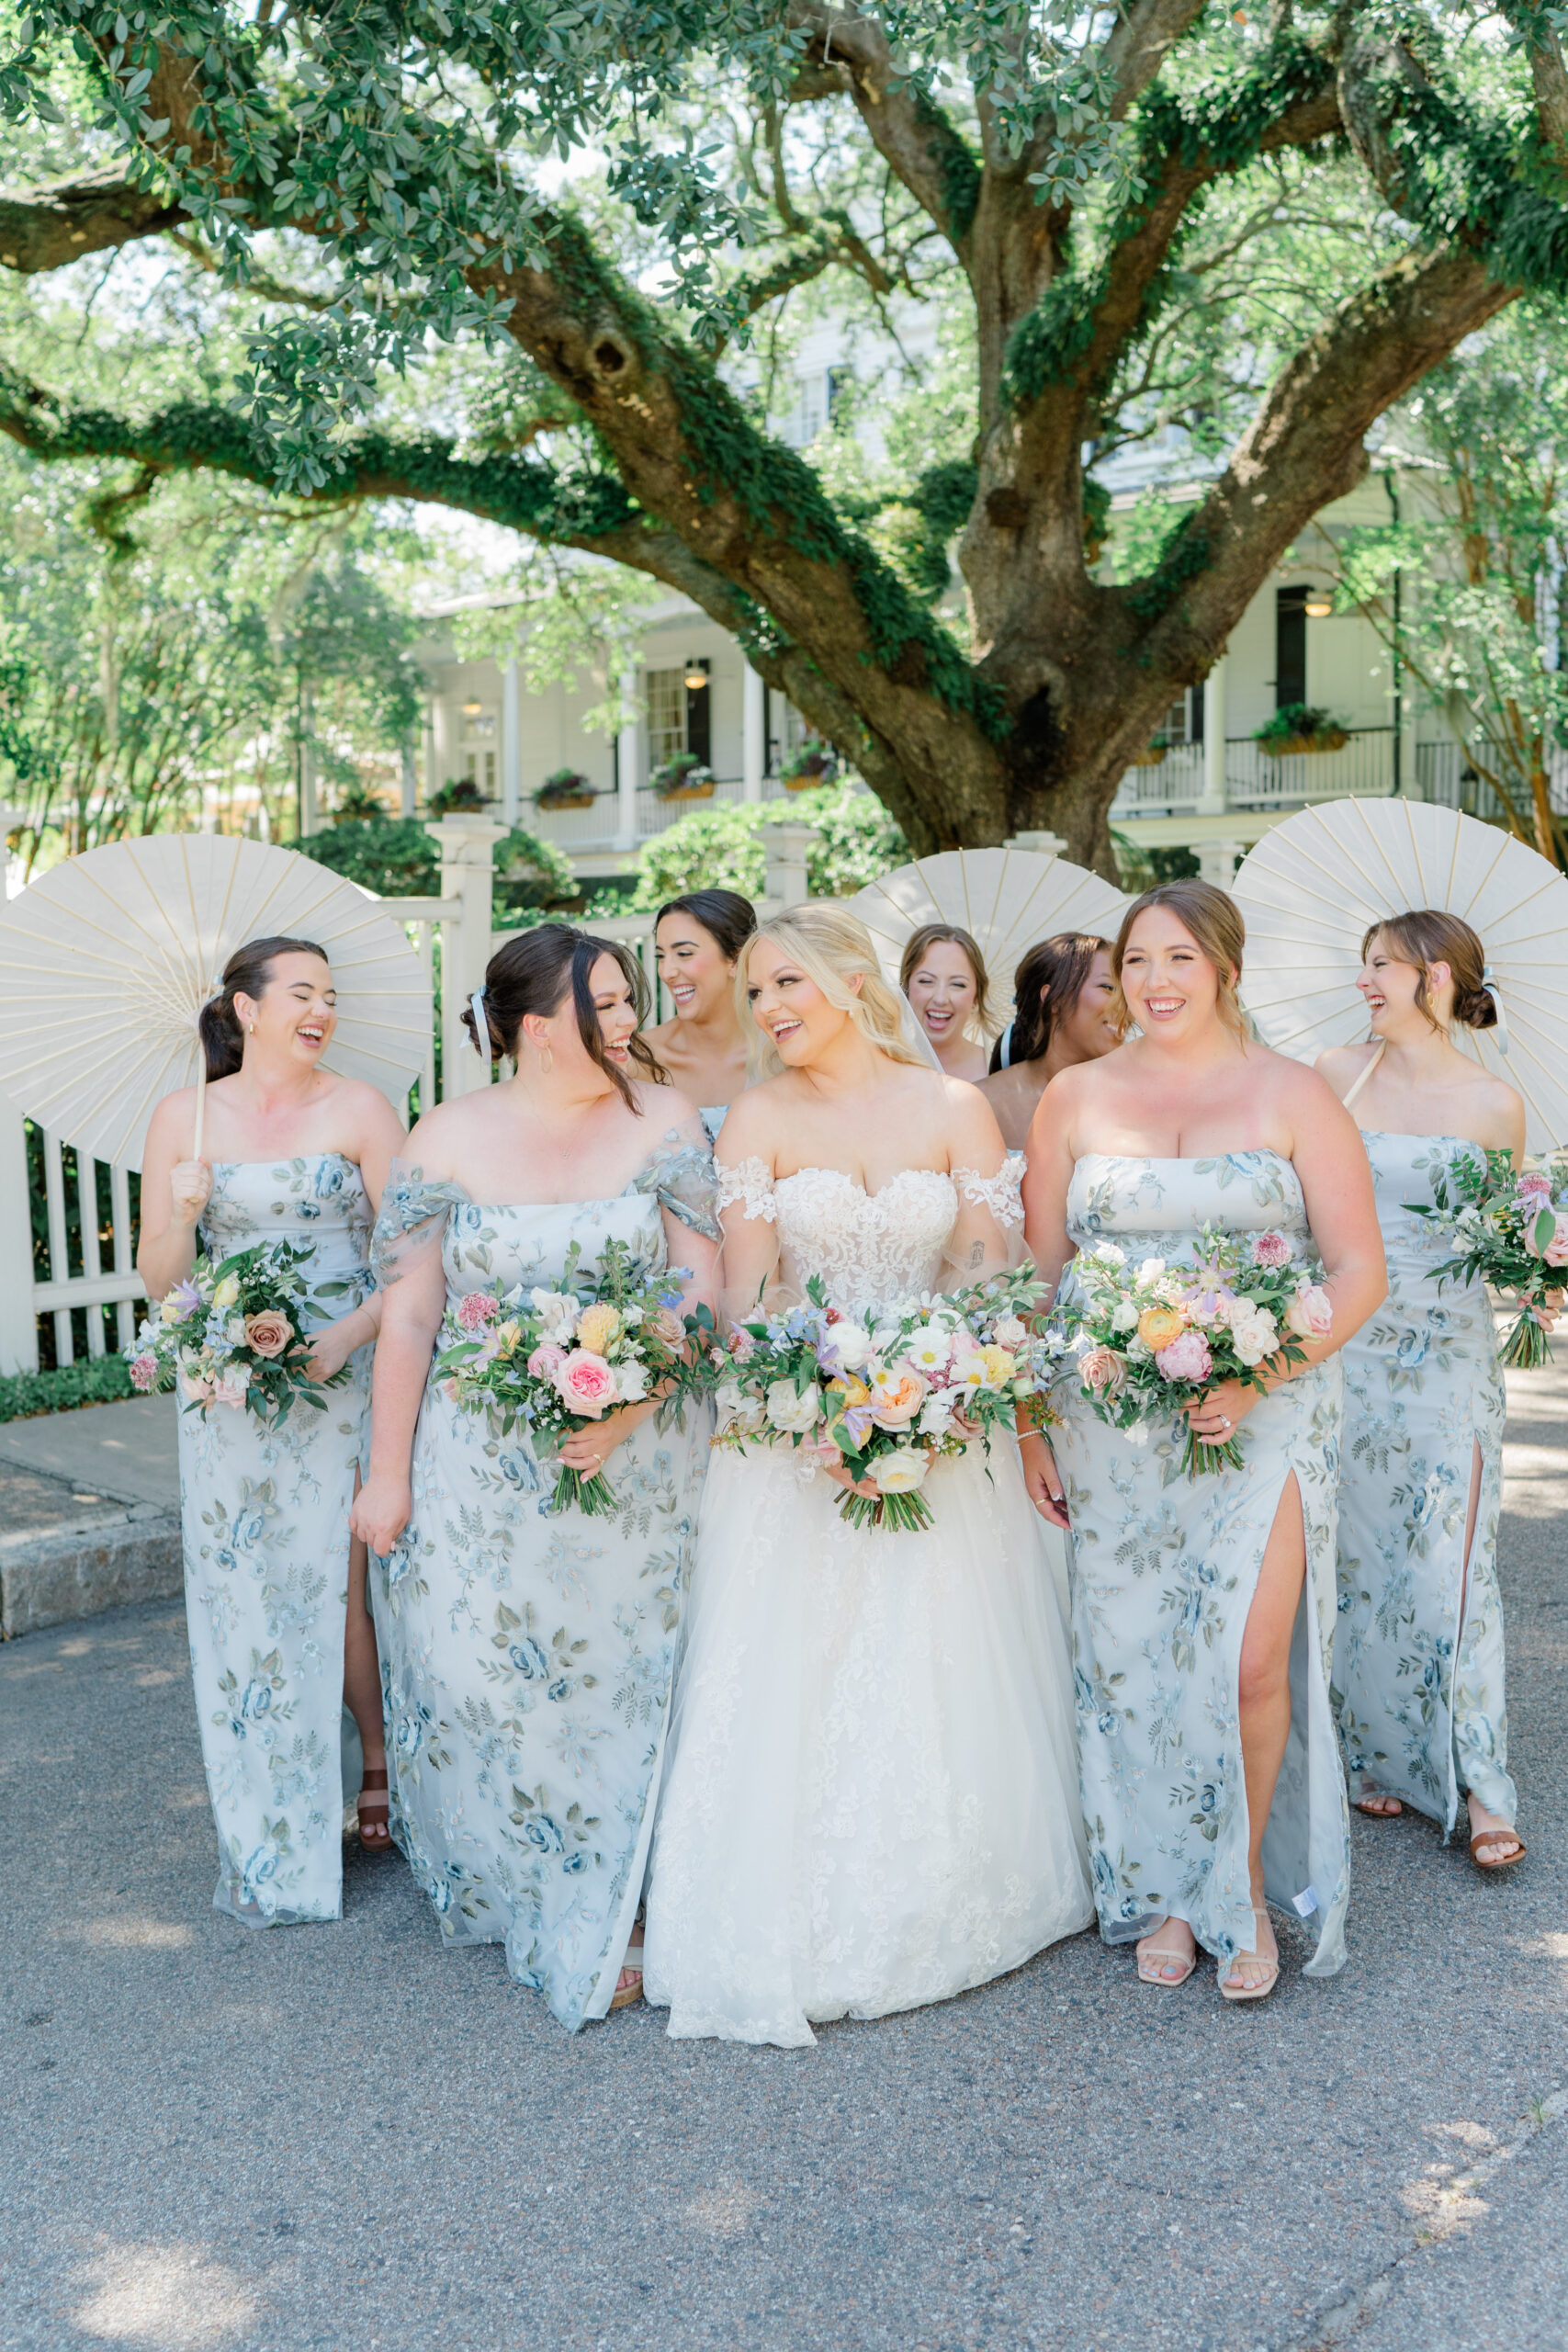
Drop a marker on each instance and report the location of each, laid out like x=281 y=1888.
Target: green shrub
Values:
x=722 y=848
x=400 y=858
x=100 y=1381
x=1295 y=720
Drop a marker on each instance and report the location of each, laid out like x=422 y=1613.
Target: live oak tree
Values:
x=600 y=205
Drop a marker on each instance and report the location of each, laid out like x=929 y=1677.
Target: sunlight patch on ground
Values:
x=725 y=2208
x=171 y=2297
x=129 y=1932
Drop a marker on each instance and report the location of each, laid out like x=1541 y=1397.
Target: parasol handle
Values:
x=200 y=1101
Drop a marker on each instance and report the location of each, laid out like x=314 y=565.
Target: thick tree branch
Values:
x=42 y=229
x=911 y=134
x=1139 y=42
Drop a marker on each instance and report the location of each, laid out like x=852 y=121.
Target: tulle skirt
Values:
x=871 y=1790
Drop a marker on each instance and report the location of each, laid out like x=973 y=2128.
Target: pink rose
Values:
x=1102 y=1368
x=199 y=1387
x=230 y=1387
x=587 y=1383
x=1187 y=1358
x=1310 y=1314
x=1556 y=1250
x=144 y=1372
x=742 y=1346
x=1270 y=1250
x=546 y=1362
x=474 y=1310
x=269 y=1332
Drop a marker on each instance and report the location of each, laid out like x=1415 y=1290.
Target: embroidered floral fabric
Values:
x=1165 y=1569
x=264 y=1518
x=528 y=1656
x=1418 y=1665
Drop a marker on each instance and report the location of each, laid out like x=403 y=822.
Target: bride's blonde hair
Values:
x=831 y=947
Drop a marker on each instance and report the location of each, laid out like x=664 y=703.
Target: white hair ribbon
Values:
x=1004 y=1047
x=482 y=1029
x=1489 y=982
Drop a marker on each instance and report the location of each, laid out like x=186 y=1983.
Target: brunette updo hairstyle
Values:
x=246 y=973
x=1426 y=935
x=727 y=917
x=1045 y=988
x=918 y=945
x=535 y=971
x=1218 y=931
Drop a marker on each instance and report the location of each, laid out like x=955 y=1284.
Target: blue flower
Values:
x=1106 y=1724
x=543 y=1833
x=518 y=1468
x=559 y=1688
x=329 y=1178
x=529 y=1659
x=1411 y=1349
x=257 y=1701
x=575 y=1861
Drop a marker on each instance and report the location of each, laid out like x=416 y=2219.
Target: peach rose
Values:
x=1159 y=1326
x=1102 y=1368
x=897 y=1396
x=586 y=1383
x=269 y=1332
x=1310 y=1314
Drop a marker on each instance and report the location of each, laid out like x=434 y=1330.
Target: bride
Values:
x=872 y=1797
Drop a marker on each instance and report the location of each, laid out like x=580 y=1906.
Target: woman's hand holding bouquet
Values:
x=232 y=1334
x=1154 y=1340
x=876 y=1399
x=1511 y=1231
x=567 y=1364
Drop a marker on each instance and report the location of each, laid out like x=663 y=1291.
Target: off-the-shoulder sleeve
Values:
x=411 y=1221
x=988 y=1233
x=749 y=1184
x=680 y=1175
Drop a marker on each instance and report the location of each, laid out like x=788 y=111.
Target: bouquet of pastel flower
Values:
x=887 y=1393
x=1510 y=1230
x=555 y=1360
x=1151 y=1337
x=231 y=1333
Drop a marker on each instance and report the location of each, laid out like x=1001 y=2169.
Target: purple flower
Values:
x=1187 y=1358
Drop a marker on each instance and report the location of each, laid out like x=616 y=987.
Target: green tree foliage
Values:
x=555 y=267
x=723 y=848
x=402 y=860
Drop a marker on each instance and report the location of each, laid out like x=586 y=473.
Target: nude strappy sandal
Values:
x=1165 y=1984
x=1229 y=1992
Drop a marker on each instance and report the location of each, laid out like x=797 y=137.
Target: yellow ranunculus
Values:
x=597 y=1327
x=848 y=1392
x=226 y=1292
x=506 y=1338
x=1158 y=1326
x=1000 y=1364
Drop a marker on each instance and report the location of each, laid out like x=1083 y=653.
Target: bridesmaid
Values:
x=697 y=940
x=1063 y=993
x=530 y=1653
x=1210 y=1772
x=280 y=1636
x=1418 y=1664
x=944 y=976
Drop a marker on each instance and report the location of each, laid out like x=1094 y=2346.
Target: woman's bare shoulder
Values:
x=666 y=1105
x=1342 y=1065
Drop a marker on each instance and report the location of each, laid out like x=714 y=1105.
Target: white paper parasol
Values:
x=1311 y=887
x=1005 y=899
x=107 y=960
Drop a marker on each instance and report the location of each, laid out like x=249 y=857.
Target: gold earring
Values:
x=252 y=1028
x=547 y=1061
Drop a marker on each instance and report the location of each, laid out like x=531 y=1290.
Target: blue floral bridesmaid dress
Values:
x=1419 y=1663
x=265 y=1518
x=527 y=1654
x=1165 y=1568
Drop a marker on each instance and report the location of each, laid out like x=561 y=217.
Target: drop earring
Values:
x=547 y=1061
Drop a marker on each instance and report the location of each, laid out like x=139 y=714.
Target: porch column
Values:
x=511 y=744
x=628 y=748
x=754 y=739
x=1216 y=795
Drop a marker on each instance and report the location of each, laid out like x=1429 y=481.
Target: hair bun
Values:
x=1476 y=1008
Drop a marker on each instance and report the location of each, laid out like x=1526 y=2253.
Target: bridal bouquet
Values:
x=232 y=1334
x=886 y=1395
x=1151 y=1337
x=1510 y=1230
x=555 y=1359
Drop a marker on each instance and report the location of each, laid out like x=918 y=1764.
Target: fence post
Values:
x=468 y=874
x=18 y=1324
x=785 y=849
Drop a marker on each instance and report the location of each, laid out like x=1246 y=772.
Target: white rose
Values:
x=1010 y=1332
x=631 y=1380
x=1109 y=1253
x=1151 y=1269
x=850 y=1343
x=1253 y=1336
x=559 y=1310
x=234 y=1330
x=1124 y=1315
x=900 y=1472
x=791 y=1412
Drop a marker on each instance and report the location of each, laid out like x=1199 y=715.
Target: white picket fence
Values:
x=91 y=1289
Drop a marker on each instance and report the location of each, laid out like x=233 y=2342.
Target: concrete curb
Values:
x=107 y=1560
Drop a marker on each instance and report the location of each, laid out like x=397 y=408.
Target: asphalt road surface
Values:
x=345 y=2136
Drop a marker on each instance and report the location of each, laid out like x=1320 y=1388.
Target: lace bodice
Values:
x=874 y=1249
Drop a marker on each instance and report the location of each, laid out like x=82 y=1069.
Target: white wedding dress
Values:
x=870 y=1791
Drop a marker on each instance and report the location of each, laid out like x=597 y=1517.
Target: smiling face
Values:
x=693 y=967
x=942 y=990
x=1172 y=990
x=615 y=1008
x=789 y=1008
x=295 y=1013
x=1089 y=1029
x=1390 y=987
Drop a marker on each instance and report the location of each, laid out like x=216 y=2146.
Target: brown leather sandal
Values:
x=374 y=1833
x=626 y=1993
x=1490 y=1837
